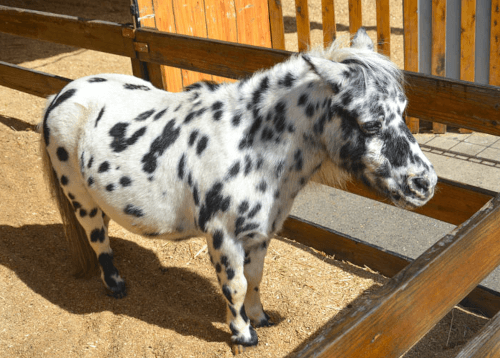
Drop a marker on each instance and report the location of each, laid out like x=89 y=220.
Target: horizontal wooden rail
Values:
x=68 y=30
x=418 y=297
x=452 y=102
x=214 y=57
x=37 y=83
x=346 y=248
x=453 y=202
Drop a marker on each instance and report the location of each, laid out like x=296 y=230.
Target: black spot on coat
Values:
x=202 y=145
x=93 y=212
x=133 y=211
x=214 y=202
x=218 y=239
x=180 y=167
x=125 y=181
x=97 y=235
x=104 y=167
x=159 y=145
x=62 y=154
x=243 y=207
x=96 y=79
x=99 y=116
x=118 y=132
x=144 y=115
x=192 y=137
x=160 y=114
x=131 y=86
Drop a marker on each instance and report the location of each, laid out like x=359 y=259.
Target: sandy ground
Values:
x=174 y=307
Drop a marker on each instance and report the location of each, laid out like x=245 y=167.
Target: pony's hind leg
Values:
x=96 y=228
x=94 y=223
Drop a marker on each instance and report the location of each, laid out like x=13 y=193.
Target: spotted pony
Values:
x=225 y=161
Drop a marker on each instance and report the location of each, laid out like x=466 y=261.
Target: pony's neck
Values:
x=291 y=86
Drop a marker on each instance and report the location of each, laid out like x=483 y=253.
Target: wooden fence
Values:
x=386 y=327
x=441 y=37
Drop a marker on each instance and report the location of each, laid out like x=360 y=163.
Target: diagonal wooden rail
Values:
x=418 y=296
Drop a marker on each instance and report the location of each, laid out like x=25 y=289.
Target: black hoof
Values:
x=265 y=322
x=119 y=291
x=253 y=341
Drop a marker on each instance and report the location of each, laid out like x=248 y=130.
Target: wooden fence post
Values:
x=438 y=60
x=495 y=43
x=467 y=44
x=329 y=25
x=355 y=17
x=410 y=38
x=383 y=27
x=276 y=23
x=303 y=25
x=143 y=16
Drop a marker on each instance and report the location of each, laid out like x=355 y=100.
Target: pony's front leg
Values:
x=227 y=256
x=254 y=265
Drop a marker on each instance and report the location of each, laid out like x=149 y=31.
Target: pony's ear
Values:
x=331 y=72
x=361 y=40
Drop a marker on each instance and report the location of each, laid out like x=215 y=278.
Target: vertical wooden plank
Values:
x=467 y=43
x=303 y=24
x=355 y=18
x=383 y=28
x=438 y=47
x=146 y=18
x=410 y=38
x=329 y=25
x=165 y=21
x=221 y=24
x=276 y=23
x=252 y=19
x=190 y=20
x=495 y=43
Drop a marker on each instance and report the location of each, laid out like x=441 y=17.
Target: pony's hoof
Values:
x=119 y=291
x=265 y=322
x=242 y=343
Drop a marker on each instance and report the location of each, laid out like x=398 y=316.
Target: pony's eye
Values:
x=372 y=127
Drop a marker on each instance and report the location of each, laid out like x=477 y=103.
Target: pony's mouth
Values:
x=410 y=201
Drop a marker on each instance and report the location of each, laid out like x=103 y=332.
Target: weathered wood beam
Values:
x=30 y=81
x=68 y=30
x=344 y=247
x=453 y=202
x=453 y=102
x=419 y=296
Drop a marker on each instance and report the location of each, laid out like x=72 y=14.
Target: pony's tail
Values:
x=83 y=256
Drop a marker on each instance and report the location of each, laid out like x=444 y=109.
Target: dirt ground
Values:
x=174 y=307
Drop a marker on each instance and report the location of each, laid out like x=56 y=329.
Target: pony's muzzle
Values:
x=420 y=187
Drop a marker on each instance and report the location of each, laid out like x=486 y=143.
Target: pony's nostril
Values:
x=421 y=184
